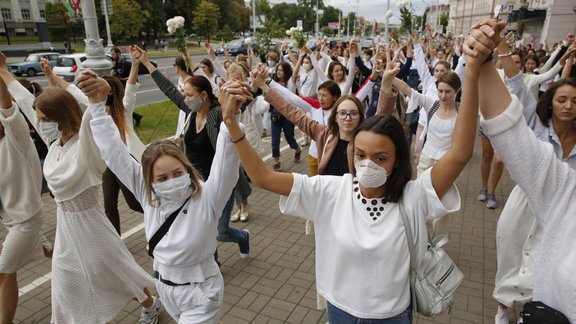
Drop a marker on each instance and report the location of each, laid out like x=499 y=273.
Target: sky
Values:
x=374 y=9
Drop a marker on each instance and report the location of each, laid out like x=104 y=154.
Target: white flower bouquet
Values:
x=176 y=27
x=297 y=34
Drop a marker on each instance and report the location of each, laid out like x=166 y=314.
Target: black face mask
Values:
x=110 y=100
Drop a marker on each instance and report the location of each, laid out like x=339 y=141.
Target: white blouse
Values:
x=362 y=256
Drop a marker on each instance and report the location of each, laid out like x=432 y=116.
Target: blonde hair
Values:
x=60 y=106
x=240 y=67
x=161 y=148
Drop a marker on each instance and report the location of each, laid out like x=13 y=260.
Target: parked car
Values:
x=237 y=46
x=218 y=50
x=31 y=65
x=68 y=66
x=368 y=42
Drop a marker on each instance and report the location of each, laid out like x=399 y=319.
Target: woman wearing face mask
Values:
x=201 y=138
x=187 y=276
x=306 y=77
x=86 y=244
x=359 y=233
x=120 y=105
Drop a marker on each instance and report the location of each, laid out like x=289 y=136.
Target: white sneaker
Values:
x=501 y=316
x=236 y=216
x=151 y=316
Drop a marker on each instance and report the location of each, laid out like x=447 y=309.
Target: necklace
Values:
x=373 y=206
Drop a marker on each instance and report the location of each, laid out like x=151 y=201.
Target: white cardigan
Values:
x=550 y=185
x=20 y=176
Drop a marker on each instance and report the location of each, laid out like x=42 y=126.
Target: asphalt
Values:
x=276 y=284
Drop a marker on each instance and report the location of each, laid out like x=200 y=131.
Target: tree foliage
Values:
x=59 y=20
x=127 y=19
x=206 y=20
x=226 y=34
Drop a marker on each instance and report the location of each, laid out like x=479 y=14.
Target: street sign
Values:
x=299 y=23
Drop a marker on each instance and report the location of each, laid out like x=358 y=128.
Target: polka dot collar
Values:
x=374 y=206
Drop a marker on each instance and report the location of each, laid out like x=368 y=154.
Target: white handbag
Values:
x=433 y=284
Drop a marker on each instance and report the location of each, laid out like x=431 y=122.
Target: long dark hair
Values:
x=287 y=73
x=116 y=104
x=333 y=124
x=391 y=127
x=544 y=106
x=181 y=64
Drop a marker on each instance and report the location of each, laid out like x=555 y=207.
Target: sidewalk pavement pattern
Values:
x=276 y=283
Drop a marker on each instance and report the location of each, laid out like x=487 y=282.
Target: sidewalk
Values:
x=276 y=283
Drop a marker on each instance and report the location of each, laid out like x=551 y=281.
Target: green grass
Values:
x=159 y=121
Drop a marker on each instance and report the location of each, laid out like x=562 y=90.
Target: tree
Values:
x=58 y=20
x=206 y=21
x=226 y=34
x=156 y=23
x=444 y=20
x=330 y=15
x=127 y=19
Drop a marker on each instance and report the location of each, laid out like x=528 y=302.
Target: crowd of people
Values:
x=390 y=129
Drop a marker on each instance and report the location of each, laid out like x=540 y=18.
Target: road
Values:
x=148 y=92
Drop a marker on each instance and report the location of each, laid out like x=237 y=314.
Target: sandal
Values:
x=276 y=167
x=297 y=155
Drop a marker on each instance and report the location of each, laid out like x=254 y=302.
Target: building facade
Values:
x=19 y=17
x=534 y=20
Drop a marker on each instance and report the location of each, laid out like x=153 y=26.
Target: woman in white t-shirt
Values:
x=360 y=238
x=441 y=113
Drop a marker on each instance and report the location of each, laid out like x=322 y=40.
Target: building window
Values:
x=6 y=14
x=43 y=14
x=26 y=14
x=30 y=32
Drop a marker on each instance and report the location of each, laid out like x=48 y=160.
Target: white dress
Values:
x=93 y=274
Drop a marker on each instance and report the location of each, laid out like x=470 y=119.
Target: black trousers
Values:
x=111 y=187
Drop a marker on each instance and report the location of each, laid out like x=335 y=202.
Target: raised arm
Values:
x=448 y=168
x=319 y=71
x=107 y=137
x=569 y=63
x=53 y=80
x=231 y=98
x=351 y=71
x=387 y=97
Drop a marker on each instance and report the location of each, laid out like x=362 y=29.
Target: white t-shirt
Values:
x=362 y=259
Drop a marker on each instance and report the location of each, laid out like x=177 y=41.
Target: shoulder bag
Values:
x=433 y=284
x=163 y=230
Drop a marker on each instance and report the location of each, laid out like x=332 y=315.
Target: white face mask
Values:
x=369 y=174
x=175 y=189
x=49 y=130
x=306 y=66
x=271 y=63
x=194 y=104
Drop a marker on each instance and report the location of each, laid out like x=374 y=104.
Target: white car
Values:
x=68 y=66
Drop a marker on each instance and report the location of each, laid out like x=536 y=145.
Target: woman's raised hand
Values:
x=3 y=61
x=259 y=75
x=46 y=67
x=94 y=87
x=143 y=55
x=134 y=54
x=481 y=41
x=232 y=95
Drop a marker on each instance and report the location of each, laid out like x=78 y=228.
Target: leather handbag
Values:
x=433 y=283
x=536 y=312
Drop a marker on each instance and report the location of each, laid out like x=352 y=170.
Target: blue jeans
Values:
x=277 y=127
x=228 y=234
x=338 y=316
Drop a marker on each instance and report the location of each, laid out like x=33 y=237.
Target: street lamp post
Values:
x=6 y=30
x=317 y=23
x=95 y=53
x=105 y=8
x=387 y=21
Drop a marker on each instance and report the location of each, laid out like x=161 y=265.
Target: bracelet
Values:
x=505 y=55
x=240 y=139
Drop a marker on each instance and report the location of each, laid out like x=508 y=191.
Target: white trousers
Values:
x=199 y=302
